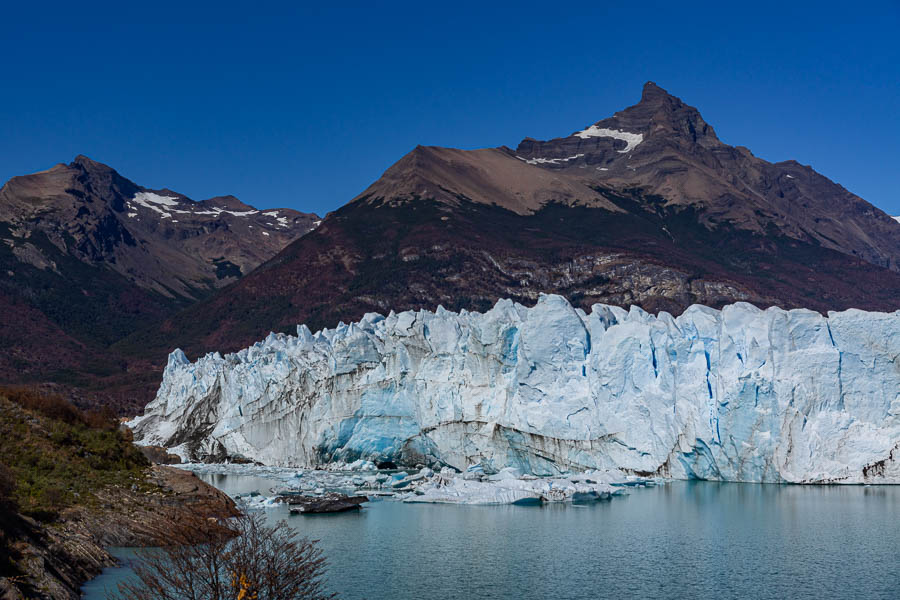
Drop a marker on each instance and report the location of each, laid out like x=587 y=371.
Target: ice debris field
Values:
x=424 y=485
x=738 y=394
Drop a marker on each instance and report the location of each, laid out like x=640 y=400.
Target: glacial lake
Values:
x=679 y=540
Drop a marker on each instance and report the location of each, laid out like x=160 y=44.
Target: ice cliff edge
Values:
x=738 y=394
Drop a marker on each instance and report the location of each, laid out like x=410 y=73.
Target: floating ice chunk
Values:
x=509 y=490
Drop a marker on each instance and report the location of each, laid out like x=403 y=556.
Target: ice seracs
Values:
x=631 y=139
x=738 y=394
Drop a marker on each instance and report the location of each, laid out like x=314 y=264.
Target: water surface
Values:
x=681 y=540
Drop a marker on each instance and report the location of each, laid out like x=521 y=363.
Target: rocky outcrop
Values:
x=738 y=394
x=55 y=560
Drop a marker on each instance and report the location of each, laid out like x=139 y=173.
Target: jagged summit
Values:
x=87 y=162
x=660 y=113
x=658 y=116
x=652 y=92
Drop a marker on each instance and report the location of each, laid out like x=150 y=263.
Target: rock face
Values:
x=55 y=561
x=738 y=394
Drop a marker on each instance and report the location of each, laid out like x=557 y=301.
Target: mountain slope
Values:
x=87 y=257
x=647 y=208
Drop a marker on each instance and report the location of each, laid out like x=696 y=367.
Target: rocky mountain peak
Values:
x=653 y=92
x=658 y=120
x=659 y=113
x=85 y=163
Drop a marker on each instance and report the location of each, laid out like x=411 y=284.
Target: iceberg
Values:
x=446 y=488
x=737 y=394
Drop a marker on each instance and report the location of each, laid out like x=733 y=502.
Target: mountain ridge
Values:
x=112 y=218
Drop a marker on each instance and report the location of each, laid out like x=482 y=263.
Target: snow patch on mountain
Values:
x=738 y=394
x=631 y=139
x=283 y=221
x=149 y=198
x=217 y=211
x=549 y=161
x=154 y=201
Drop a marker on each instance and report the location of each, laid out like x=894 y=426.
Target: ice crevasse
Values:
x=738 y=394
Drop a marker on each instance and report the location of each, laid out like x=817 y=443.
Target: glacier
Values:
x=737 y=394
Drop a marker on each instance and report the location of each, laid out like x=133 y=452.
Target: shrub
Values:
x=57 y=456
x=51 y=406
x=202 y=560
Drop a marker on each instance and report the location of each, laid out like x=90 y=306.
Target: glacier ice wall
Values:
x=740 y=394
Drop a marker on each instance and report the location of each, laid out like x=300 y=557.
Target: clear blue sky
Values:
x=304 y=106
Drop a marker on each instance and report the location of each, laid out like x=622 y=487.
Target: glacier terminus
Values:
x=737 y=394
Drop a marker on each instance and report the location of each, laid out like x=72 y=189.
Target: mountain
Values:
x=647 y=207
x=87 y=256
x=158 y=239
x=665 y=148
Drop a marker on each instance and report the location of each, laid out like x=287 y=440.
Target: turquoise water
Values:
x=681 y=540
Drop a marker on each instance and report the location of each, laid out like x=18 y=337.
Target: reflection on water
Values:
x=682 y=540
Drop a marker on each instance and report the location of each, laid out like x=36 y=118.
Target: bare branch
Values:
x=245 y=560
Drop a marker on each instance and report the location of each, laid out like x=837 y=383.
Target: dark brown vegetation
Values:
x=249 y=561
